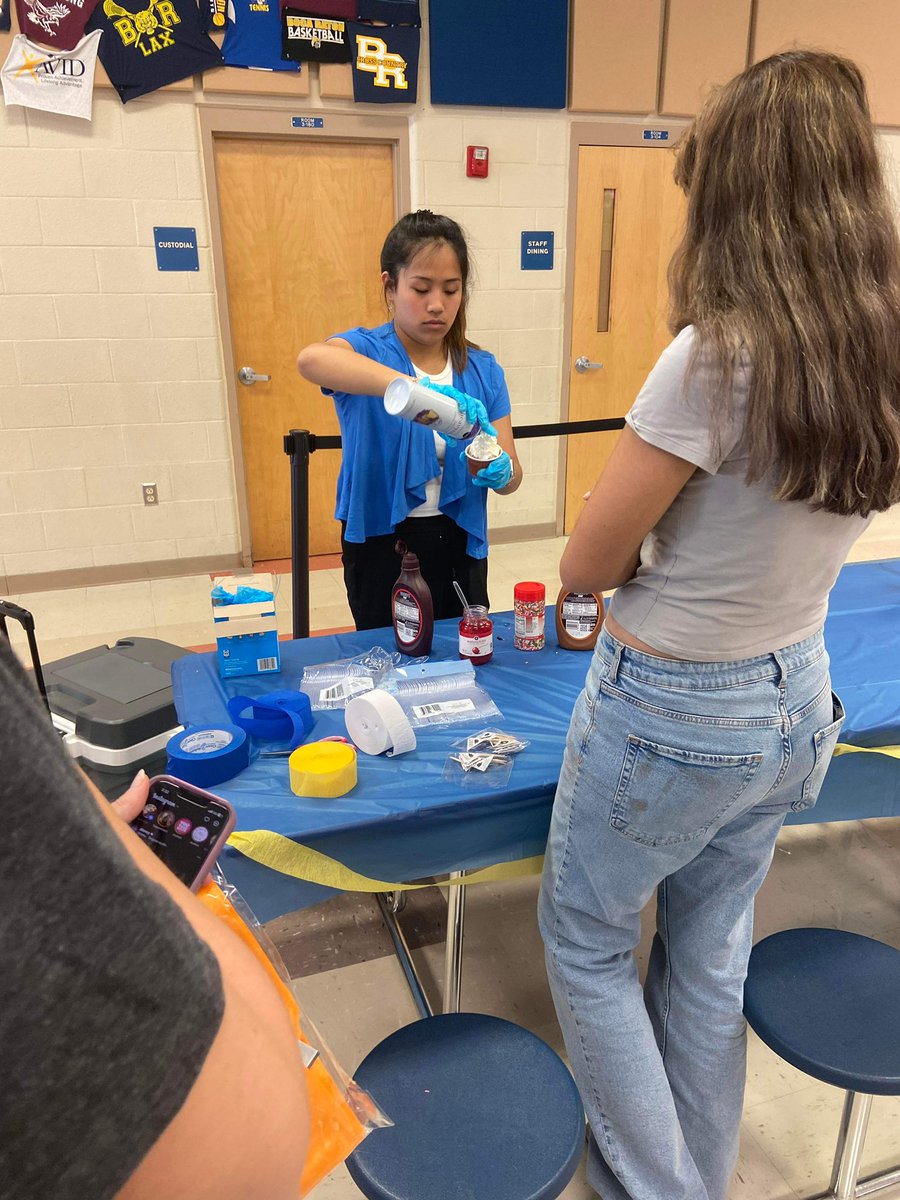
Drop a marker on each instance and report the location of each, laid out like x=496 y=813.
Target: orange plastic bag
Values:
x=341 y=1113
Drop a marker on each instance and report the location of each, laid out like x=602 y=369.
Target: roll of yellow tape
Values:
x=323 y=769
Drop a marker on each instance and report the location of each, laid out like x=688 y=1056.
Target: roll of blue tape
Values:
x=207 y=755
x=275 y=716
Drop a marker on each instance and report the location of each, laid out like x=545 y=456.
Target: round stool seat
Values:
x=827 y=1002
x=481 y=1107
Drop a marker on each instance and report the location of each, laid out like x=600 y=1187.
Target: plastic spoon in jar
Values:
x=462 y=596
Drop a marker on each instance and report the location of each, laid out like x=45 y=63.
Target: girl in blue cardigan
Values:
x=399 y=479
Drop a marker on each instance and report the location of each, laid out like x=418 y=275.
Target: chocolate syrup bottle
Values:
x=411 y=608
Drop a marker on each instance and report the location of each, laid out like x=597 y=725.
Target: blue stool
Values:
x=482 y=1108
x=829 y=1003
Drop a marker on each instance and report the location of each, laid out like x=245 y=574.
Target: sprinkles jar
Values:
x=528 y=604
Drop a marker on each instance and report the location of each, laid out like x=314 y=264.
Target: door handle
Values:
x=583 y=364
x=248 y=377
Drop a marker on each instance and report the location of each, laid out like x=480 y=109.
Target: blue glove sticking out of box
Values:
x=241 y=595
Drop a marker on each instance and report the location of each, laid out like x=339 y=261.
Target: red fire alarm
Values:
x=477 y=162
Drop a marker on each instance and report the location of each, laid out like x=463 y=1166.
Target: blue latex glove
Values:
x=497 y=475
x=472 y=407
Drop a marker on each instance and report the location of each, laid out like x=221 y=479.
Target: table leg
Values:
x=456 y=912
x=401 y=949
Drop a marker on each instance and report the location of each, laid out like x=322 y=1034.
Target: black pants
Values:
x=371 y=569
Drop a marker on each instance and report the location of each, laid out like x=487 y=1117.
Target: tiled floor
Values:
x=845 y=875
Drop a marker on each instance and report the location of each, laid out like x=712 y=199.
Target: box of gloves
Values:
x=245 y=626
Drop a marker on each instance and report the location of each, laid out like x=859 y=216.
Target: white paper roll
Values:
x=376 y=722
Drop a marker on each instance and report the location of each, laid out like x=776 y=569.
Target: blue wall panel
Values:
x=504 y=53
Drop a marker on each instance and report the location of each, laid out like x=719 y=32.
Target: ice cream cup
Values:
x=481 y=452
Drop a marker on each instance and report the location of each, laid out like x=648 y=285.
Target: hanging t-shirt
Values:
x=305 y=38
x=254 y=36
x=54 y=81
x=385 y=63
x=146 y=48
x=5 y=19
x=56 y=23
x=391 y=12
x=338 y=10
x=213 y=15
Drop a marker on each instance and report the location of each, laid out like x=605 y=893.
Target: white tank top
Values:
x=431 y=506
x=729 y=572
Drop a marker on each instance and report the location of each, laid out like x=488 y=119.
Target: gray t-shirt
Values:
x=109 y=1002
x=729 y=572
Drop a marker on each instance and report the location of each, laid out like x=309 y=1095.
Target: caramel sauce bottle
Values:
x=579 y=616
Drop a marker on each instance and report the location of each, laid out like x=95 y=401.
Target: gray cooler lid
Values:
x=116 y=696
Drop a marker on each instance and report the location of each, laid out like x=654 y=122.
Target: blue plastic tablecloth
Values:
x=403 y=821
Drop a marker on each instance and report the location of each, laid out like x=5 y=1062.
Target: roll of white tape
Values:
x=376 y=722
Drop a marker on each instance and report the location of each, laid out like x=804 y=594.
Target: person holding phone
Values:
x=400 y=479
x=145 y=1052
x=764 y=439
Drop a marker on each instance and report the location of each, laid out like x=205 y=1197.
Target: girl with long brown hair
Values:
x=764 y=439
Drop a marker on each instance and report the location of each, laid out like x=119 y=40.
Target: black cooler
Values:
x=113 y=707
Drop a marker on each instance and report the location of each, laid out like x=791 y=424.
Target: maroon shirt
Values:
x=56 y=23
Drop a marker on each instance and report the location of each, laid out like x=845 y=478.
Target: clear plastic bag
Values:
x=442 y=693
x=341 y=1113
x=483 y=759
x=494 y=741
x=330 y=685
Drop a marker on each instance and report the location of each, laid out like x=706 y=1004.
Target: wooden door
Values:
x=628 y=221
x=302 y=228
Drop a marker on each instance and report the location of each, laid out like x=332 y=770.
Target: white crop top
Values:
x=729 y=572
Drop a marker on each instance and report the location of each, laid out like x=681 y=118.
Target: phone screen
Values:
x=182 y=826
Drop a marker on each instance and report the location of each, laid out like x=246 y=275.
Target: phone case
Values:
x=230 y=822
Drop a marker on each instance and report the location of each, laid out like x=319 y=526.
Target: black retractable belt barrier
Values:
x=299 y=444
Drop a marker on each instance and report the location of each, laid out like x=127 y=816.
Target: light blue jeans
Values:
x=677 y=777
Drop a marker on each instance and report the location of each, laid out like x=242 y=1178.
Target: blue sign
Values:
x=308 y=122
x=537 y=250
x=656 y=135
x=176 y=248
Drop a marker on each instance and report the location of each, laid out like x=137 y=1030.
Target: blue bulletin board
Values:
x=504 y=53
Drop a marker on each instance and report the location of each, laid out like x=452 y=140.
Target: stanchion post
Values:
x=296 y=444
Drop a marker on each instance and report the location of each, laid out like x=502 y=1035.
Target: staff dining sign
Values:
x=537 y=250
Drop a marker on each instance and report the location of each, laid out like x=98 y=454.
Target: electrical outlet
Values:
x=150 y=493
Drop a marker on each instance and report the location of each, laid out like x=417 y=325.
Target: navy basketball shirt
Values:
x=254 y=36
x=305 y=38
x=149 y=43
x=4 y=15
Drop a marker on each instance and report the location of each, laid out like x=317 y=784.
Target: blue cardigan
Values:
x=387 y=460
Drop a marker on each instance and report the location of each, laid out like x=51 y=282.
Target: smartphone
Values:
x=185 y=827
